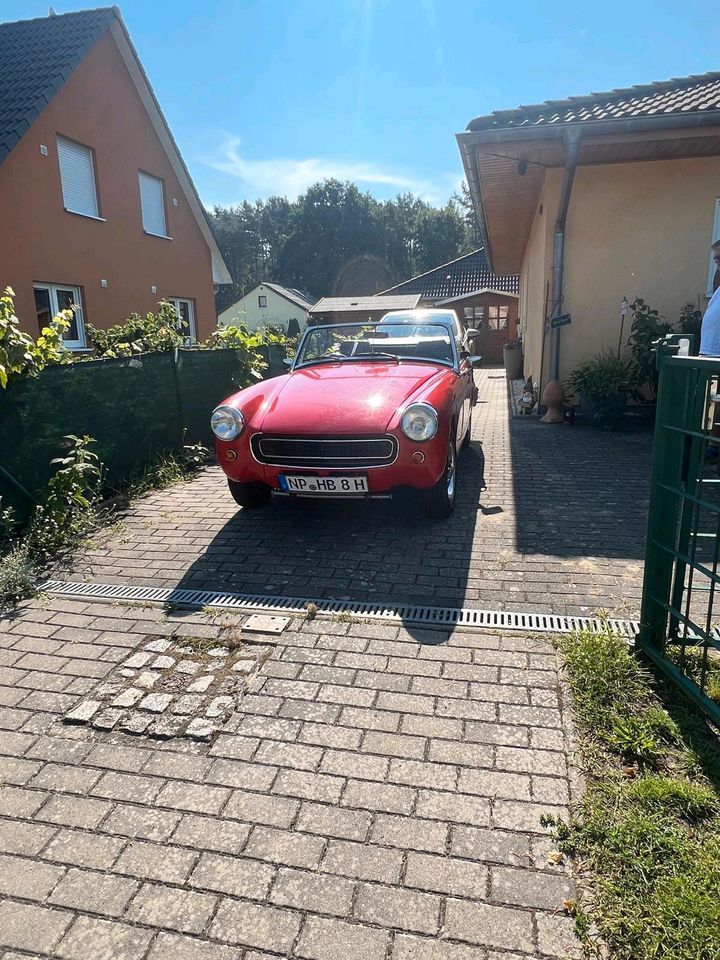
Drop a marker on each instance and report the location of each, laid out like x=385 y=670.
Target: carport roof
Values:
x=365 y=304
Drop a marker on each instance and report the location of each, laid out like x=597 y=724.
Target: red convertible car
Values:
x=365 y=409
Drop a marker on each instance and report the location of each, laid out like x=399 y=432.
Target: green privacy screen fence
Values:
x=134 y=408
x=681 y=592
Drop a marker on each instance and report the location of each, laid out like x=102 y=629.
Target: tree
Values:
x=306 y=242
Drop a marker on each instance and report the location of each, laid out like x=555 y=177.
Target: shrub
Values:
x=20 y=355
x=246 y=344
x=18 y=576
x=155 y=332
x=691 y=322
x=600 y=377
x=647 y=327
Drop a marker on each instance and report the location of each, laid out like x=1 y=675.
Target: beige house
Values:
x=269 y=305
x=595 y=199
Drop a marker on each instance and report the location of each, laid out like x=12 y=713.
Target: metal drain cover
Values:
x=265 y=623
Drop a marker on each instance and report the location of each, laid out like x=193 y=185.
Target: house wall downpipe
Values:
x=572 y=143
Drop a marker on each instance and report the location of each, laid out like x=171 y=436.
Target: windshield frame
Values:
x=446 y=324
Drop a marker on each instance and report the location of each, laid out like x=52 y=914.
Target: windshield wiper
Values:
x=376 y=354
x=307 y=363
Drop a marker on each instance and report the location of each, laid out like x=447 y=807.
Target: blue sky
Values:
x=268 y=96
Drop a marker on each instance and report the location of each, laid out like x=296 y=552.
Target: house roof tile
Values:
x=465 y=275
x=695 y=94
x=37 y=57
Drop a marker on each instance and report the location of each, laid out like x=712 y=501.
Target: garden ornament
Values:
x=552 y=398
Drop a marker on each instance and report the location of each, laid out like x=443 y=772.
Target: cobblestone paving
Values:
x=377 y=797
x=560 y=528
x=187 y=687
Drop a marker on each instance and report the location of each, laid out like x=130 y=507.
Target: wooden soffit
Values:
x=510 y=175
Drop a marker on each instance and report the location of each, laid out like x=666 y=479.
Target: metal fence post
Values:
x=664 y=508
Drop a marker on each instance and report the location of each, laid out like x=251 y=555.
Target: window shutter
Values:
x=78 y=178
x=153 y=208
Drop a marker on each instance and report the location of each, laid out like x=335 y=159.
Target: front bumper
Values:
x=239 y=463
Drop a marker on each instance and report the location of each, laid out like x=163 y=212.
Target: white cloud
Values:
x=291 y=177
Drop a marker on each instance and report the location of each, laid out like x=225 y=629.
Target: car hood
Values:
x=345 y=398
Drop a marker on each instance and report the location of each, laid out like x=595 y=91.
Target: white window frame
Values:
x=176 y=301
x=73 y=144
x=52 y=288
x=715 y=236
x=159 y=180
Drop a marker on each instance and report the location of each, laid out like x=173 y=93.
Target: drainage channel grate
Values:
x=426 y=615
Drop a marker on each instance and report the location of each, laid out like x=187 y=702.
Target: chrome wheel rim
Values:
x=450 y=472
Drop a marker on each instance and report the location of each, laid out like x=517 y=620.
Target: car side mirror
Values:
x=475 y=361
x=288 y=361
x=472 y=333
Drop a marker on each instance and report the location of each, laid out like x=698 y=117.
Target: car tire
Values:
x=440 y=501
x=251 y=496
x=468 y=434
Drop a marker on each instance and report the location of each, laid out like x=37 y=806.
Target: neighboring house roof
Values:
x=365 y=304
x=462 y=277
x=37 y=58
x=683 y=95
x=300 y=299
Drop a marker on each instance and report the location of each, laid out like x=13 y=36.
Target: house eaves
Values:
x=476 y=293
x=542 y=146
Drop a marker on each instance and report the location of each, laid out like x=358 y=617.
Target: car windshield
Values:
x=347 y=342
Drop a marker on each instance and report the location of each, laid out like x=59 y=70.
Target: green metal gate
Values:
x=681 y=599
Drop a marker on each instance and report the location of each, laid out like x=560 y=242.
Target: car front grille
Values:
x=320 y=452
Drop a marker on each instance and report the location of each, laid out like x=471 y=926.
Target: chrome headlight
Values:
x=226 y=422
x=419 y=422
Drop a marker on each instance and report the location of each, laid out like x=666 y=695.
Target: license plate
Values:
x=324 y=486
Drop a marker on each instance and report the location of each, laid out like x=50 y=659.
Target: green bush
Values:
x=601 y=377
x=647 y=327
x=153 y=333
x=246 y=344
x=20 y=355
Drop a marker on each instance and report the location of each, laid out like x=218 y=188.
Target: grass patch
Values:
x=692 y=661
x=646 y=837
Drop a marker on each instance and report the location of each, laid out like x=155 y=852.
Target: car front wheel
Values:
x=251 y=496
x=441 y=497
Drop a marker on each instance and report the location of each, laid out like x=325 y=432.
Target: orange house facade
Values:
x=97 y=208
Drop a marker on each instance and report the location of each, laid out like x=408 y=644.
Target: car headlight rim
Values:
x=226 y=422
x=420 y=422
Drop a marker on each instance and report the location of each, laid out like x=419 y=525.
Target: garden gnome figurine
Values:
x=552 y=398
x=528 y=398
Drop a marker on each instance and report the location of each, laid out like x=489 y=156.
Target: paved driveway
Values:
x=376 y=796
x=550 y=519
x=377 y=793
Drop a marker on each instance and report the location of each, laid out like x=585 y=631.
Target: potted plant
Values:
x=602 y=383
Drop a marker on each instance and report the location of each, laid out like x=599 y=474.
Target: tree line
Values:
x=304 y=243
